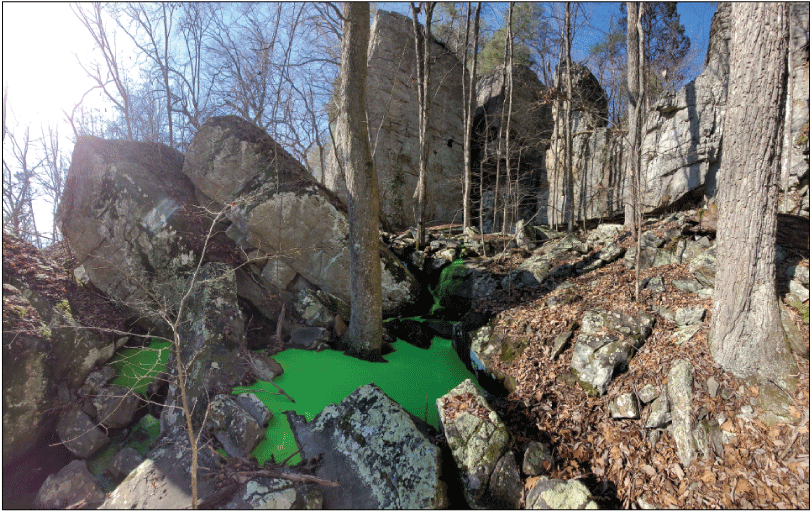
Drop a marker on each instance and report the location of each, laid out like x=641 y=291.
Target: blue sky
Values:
x=695 y=16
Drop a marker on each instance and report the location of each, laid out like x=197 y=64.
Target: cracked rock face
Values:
x=358 y=438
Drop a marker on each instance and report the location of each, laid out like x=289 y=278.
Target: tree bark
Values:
x=746 y=333
x=509 y=199
x=365 y=327
x=569 y=164
x=423 y=87
x=636 y=95
x=469 y=103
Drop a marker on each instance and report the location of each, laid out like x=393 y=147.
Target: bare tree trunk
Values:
x=568 y=166
x=635 y=85
x=469 y=110
x=746 y=333
x=423 y=87
x=499 y=152
x=365 y=327
x=509 y=84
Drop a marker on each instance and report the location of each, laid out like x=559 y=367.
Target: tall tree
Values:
x=112 y=71
x=422 y=42
x=569 y=157
x=469 y=106
x=154 y=23
x=636 y=106
x=746 y=333
x=365 y=326
x=51 y=178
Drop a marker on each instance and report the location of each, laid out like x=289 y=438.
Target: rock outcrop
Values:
x=393 y=121
x=682 y=147
x=684 y=130
x=51 y=320
x=530 y=130
x=212 y=330
x=596 y=153
x=281 y=211
x=798 y=137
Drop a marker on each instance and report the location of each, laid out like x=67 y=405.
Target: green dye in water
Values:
x=138 y=367
x=413 y=377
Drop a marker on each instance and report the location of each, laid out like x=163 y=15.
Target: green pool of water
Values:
x=138 y=367
x=413 y=377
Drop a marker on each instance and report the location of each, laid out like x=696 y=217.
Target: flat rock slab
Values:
x=370 y=444
x=163 y=481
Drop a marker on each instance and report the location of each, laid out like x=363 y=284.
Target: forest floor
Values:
x=760 y=466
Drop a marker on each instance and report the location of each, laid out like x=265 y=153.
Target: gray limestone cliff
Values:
x=597 y=154
x=393 y=116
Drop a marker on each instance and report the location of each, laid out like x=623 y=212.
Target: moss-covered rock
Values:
x=478 y=439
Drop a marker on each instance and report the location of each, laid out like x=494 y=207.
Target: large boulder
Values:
x=281 y=210
x=79 y=433
x=393 y=121
x=72 y=485
x=130 y=216
x=461 y=285
x=371 y=445
x=605 y=345
x=163 y=480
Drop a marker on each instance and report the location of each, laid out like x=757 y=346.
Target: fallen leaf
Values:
x=708 y=477
x=754 y=391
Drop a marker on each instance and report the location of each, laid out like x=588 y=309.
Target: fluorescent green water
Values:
x=413 y=377
x=138 y=367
